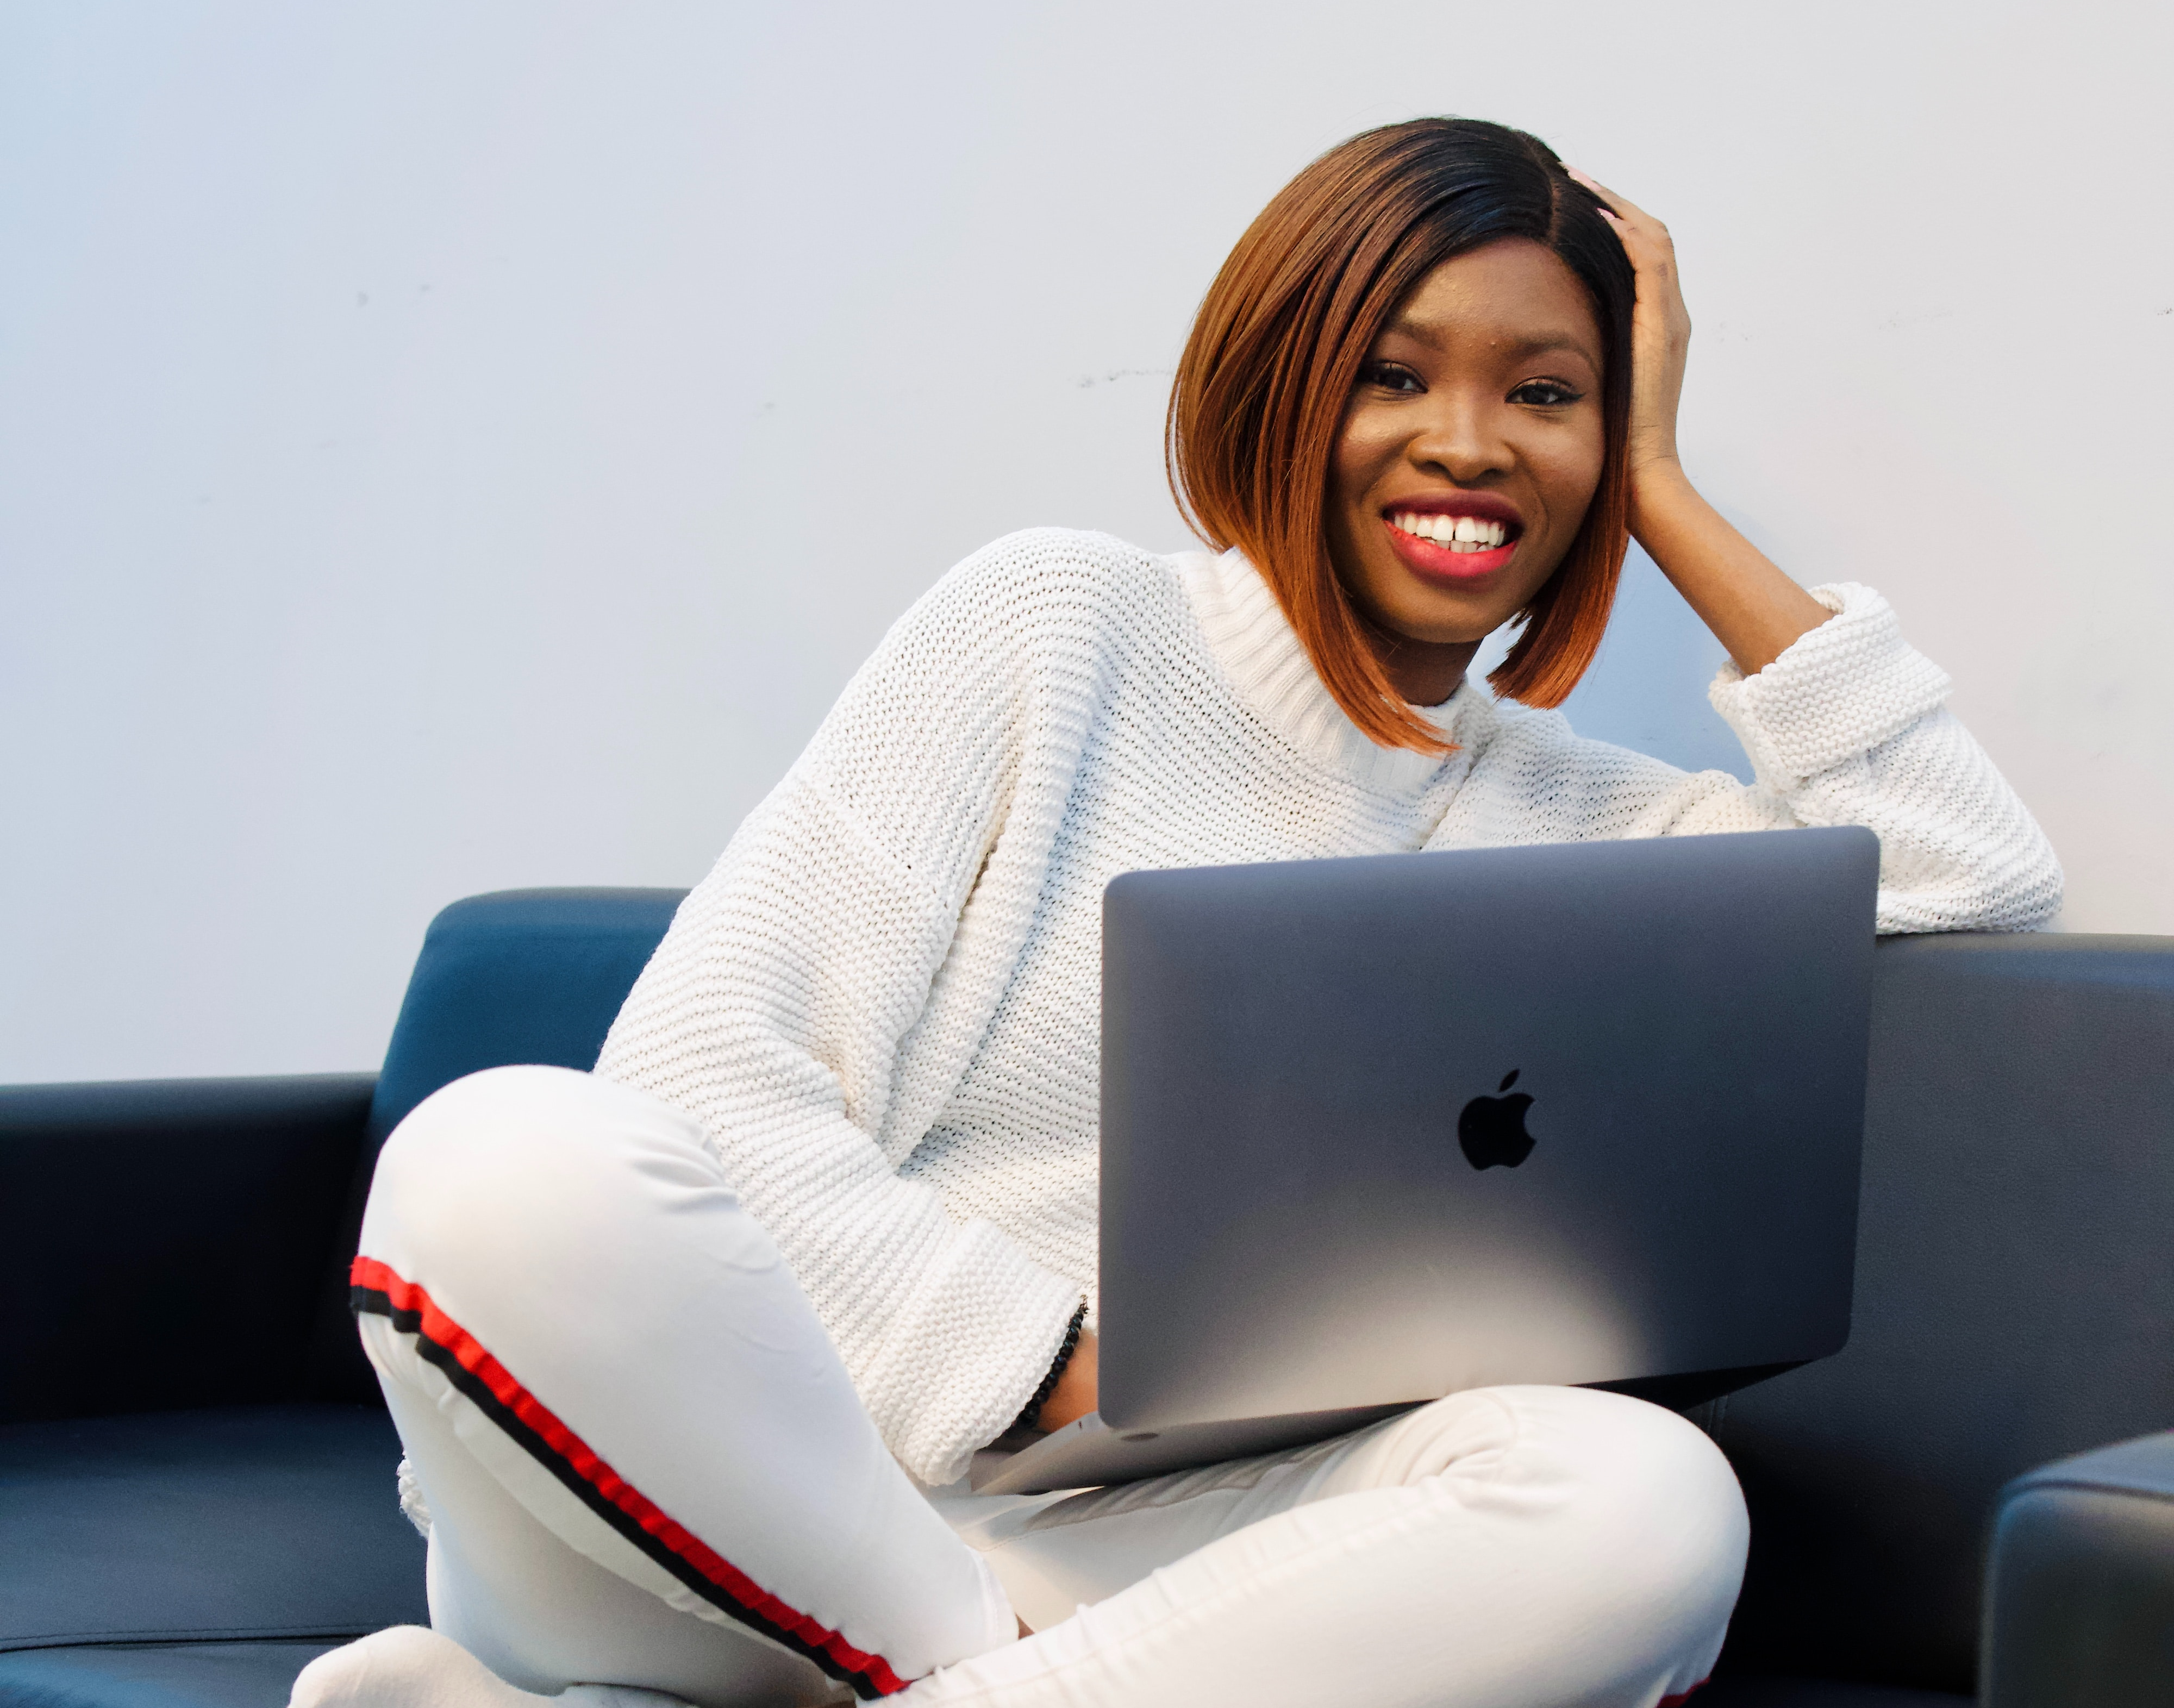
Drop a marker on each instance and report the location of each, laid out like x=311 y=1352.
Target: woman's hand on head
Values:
x=1076 y=1392
x=1757 y=611
x=1660 y=335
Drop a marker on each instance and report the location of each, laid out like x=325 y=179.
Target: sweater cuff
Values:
x=1836 y=692
x=1032 y=1410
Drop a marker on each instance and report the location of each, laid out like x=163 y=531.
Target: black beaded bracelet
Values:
x=1025 y=1419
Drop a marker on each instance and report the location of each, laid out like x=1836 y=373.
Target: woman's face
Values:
x=1471 y=446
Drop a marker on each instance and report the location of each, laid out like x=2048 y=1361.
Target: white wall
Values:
x=449 y=447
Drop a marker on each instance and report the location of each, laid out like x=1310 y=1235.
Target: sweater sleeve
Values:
x=778 y=1007
x=1849 y=725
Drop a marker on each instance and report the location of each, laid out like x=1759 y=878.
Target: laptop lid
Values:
x=1378 y=1130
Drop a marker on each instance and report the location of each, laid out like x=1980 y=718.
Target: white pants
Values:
x=647 y=1467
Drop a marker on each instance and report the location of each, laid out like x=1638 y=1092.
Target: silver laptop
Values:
x=1378 y=1130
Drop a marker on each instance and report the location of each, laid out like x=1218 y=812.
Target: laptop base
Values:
x=1088 y=1454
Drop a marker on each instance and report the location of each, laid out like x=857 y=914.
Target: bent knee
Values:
x=547 y=1157
x=1651 y=1485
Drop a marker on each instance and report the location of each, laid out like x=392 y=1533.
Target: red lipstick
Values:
x=1459 y=564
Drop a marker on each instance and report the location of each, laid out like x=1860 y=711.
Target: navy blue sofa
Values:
x=196 y=1472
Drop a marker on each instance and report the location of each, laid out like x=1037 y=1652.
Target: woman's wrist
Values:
x=1030 y=1413
x=1753 y=609
x=1078 y=1386
x=1661 y=495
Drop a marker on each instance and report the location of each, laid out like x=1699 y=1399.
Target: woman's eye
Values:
x=1390 y=377
x=1547 y=393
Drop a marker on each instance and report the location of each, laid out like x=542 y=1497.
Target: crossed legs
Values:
x=646 y=1469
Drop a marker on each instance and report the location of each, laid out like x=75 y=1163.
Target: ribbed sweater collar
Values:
x=1267 y=666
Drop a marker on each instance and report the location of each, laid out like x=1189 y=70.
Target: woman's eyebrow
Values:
x=1547 y=343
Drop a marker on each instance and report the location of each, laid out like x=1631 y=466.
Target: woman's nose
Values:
x=1462 y=438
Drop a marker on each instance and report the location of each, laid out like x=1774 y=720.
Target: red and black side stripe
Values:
x=376 y=1289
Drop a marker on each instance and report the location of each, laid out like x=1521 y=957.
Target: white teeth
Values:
x=1460 y=533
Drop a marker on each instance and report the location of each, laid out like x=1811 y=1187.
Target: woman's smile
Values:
x=1460 y=538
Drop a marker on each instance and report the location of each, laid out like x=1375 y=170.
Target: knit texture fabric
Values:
x=884 y=1003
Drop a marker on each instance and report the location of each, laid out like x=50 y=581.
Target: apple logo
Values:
x=1492 y=1129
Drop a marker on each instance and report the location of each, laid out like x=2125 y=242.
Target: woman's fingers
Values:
x=1624 y=209
x=1652 y=255
x=1661 y=324
x=1641 y=230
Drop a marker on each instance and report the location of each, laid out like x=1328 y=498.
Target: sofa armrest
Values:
x=2080 y=1590
x=166 y=1243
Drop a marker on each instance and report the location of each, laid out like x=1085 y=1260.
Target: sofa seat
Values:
x=1817 y=1692
x=258 y=1675
x=156 y=1675
x=201 y=1558
x=227 y=1546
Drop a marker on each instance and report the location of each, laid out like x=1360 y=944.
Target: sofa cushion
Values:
x=127 y=1207
x=156 y=1675
x=253 y=1522
x=522 y=975
x=2013 y=1285
x=2080 y=1591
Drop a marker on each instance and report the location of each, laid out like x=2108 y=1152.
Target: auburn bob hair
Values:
x=1261 y=388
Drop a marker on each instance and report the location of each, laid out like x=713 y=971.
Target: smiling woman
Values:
x=691 y=1355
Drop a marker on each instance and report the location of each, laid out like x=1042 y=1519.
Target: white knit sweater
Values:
x=883 y=1002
